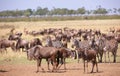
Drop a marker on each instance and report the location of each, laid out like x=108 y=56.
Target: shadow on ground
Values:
x=3 y=71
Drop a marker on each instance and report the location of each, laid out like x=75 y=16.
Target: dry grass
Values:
x=103 y=25
x=12 y=57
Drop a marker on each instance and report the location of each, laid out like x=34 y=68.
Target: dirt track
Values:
x=73 y=69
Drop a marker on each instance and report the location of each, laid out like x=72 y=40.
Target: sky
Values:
x=70 y=4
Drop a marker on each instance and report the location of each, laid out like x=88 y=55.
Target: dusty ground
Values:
x=73 y=69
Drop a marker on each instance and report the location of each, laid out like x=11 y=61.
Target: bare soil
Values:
x=73 y=69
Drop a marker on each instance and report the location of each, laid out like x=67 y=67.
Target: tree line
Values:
x=45 y=12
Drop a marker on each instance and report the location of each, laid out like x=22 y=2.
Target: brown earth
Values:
x=73 y=69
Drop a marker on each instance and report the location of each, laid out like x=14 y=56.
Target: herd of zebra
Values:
x=88 y=44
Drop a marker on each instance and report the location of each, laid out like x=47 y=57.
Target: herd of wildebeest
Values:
x=87 y=44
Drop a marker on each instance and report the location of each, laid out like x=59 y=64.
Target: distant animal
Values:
x=15 y=36
x=7 y=43
x=35 y=41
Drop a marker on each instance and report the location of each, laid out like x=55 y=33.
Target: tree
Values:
x=28 y=12
x=119 y=10
x=114 y=10
x=42 y=11
x=100 y=10
x=88 y=12
x=81 y=11
x=109 y=10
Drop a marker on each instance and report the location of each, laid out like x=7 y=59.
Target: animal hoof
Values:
x=42 y=69
x=65 y=68
x=52 y=70
x=37 y=71
x=97 y=70
x=91 y=72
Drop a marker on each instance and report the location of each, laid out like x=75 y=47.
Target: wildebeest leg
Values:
x=98 y=57
x=64 y=64
x=108 y=57
x=96 y=66
x=2 y=51
x=87 y=66
x=39 y=65
x=93 y=64
x=5 y=50
x=77 y=56
x=48 y=61
x=105 y=56
x=54 y=63
x=13 y=47
x=84 y=66
x=61 y=63
x=114 y=55
x=101 y=55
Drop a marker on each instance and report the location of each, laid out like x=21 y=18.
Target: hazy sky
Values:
x=71 y=4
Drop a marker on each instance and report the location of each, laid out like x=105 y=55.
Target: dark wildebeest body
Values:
x=15 y=36
x=7 y=43
x=89 y=55
x=38 y=52
x=34 y=42
x=63 y=51
x=63 y=54
x=21 y=43
x=111 y=46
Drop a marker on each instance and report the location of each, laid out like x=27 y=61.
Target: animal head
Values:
x=33 y=53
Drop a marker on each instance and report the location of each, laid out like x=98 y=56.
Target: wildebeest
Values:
x=39 y=52
x=21 y=43
x=89 y=55
x=35 y=41
x=15 y=36
x=4 y=43
x=111 y=46
x=63 y=54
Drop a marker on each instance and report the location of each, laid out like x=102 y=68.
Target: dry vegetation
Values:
x=103 y=25
x=20 y=58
